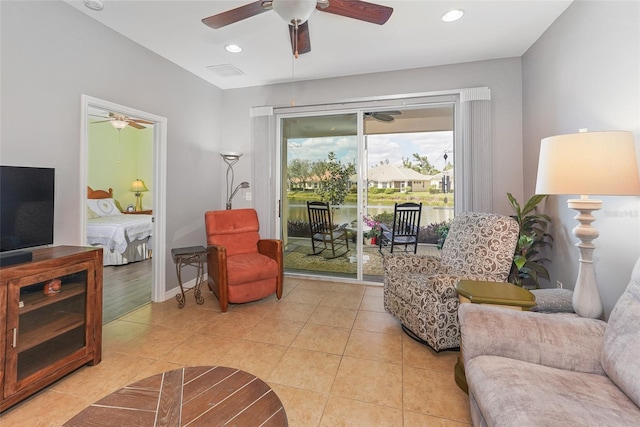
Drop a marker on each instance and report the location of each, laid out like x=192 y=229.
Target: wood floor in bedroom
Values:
x=125 y=288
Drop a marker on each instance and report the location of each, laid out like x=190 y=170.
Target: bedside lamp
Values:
x=138 y=187
x=588 y=163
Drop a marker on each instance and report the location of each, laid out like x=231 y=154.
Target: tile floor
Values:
x=329 y=350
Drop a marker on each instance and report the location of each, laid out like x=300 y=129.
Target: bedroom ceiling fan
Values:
x=297 y=12
x=382 y=116
x=120 y=121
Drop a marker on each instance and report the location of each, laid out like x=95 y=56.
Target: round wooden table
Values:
x=193 y=396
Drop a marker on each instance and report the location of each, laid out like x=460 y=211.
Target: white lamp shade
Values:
x=294 y=11
x=588 y=163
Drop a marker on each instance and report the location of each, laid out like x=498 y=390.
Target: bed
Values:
x=124 y=238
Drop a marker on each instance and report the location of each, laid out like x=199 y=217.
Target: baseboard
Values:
x=171 y=293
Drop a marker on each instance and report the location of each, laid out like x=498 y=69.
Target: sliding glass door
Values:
x=319 y=158
x=362 y=162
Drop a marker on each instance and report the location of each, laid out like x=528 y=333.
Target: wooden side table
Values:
x=501 y=294
x=145 y=212
x=194 y=256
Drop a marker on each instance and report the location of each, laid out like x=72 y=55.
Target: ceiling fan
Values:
x=120 y=121
x=382 y=116
x=297 y=12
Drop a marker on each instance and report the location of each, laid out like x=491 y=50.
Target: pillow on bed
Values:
x=91 y=214
x=103 y=207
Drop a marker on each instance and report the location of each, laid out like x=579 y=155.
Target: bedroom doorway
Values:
x=131 y=146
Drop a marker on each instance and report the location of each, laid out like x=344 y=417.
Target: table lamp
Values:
x=138 y=187
x=588 y=163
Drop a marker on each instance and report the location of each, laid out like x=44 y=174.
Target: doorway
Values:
x=393 y=155
x=156 y=165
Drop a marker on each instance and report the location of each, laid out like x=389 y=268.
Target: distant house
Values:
x=443 y=181
x=390 y=176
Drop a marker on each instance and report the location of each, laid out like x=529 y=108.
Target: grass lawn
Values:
x=374 y=198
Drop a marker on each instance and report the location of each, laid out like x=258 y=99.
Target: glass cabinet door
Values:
x=47 y=316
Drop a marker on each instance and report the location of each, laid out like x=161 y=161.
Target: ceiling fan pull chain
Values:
x=293 y=99
x=295 y=39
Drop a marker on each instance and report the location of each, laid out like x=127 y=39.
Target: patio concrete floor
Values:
x=298 y=259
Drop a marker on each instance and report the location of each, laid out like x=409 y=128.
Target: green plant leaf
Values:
x=519 y=261
x=527 y=267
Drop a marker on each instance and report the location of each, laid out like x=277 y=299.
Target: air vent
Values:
x=226 y=70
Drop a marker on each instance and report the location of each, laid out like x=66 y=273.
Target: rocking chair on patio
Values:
x=324 y=233
x=406 y=226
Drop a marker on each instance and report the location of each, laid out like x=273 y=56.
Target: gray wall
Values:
x=51 y=54
x=503 y=77
x=584 y=73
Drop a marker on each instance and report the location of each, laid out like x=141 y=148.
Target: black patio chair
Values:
x=324 y=235
x=406 y=227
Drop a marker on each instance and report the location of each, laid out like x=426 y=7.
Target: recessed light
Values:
x=233 y=48
x=94 y=4
x=453 y=15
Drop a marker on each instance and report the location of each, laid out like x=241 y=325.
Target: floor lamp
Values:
x=588 y=163
x=230 y=158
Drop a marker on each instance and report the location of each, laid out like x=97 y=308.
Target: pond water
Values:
x=347 y=213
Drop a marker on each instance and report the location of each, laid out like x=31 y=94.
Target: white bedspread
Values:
x=115 y=232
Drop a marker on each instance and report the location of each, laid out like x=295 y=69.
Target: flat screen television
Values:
x=26 y=207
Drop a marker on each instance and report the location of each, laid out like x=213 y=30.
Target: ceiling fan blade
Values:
x=135 y=125
x=383 y=117
x=100 y=121
x=361 y=10
x=141 y=121
x=234 y=15
x=304 y=42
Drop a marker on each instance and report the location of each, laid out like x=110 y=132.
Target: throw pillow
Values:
x=553 y=300
x=103 y=207
x=91 y=214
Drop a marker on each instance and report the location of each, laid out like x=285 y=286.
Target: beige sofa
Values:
x=533 y=369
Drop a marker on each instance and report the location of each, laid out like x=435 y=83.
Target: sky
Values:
x=392 y=147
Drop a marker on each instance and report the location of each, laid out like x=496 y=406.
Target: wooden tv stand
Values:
x=45 y=337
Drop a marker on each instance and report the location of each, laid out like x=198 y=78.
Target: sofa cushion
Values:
x=621 y=346
x=245 y=268
x=510 y=392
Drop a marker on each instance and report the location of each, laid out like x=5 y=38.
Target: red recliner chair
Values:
x=241 y=267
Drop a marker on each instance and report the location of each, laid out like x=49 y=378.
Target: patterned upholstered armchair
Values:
x=420 y=290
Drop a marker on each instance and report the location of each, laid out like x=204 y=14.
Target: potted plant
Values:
x=442 y=231
x=528 y=262
x=375 y=232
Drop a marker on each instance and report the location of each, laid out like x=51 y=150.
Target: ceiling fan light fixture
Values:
x=453 y=15
x=294 y=11
x=119 y=124
x=233 y=48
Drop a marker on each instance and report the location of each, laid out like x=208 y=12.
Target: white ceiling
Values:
x=414 y=37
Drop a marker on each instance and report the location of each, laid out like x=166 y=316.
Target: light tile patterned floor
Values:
x=328 y=349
